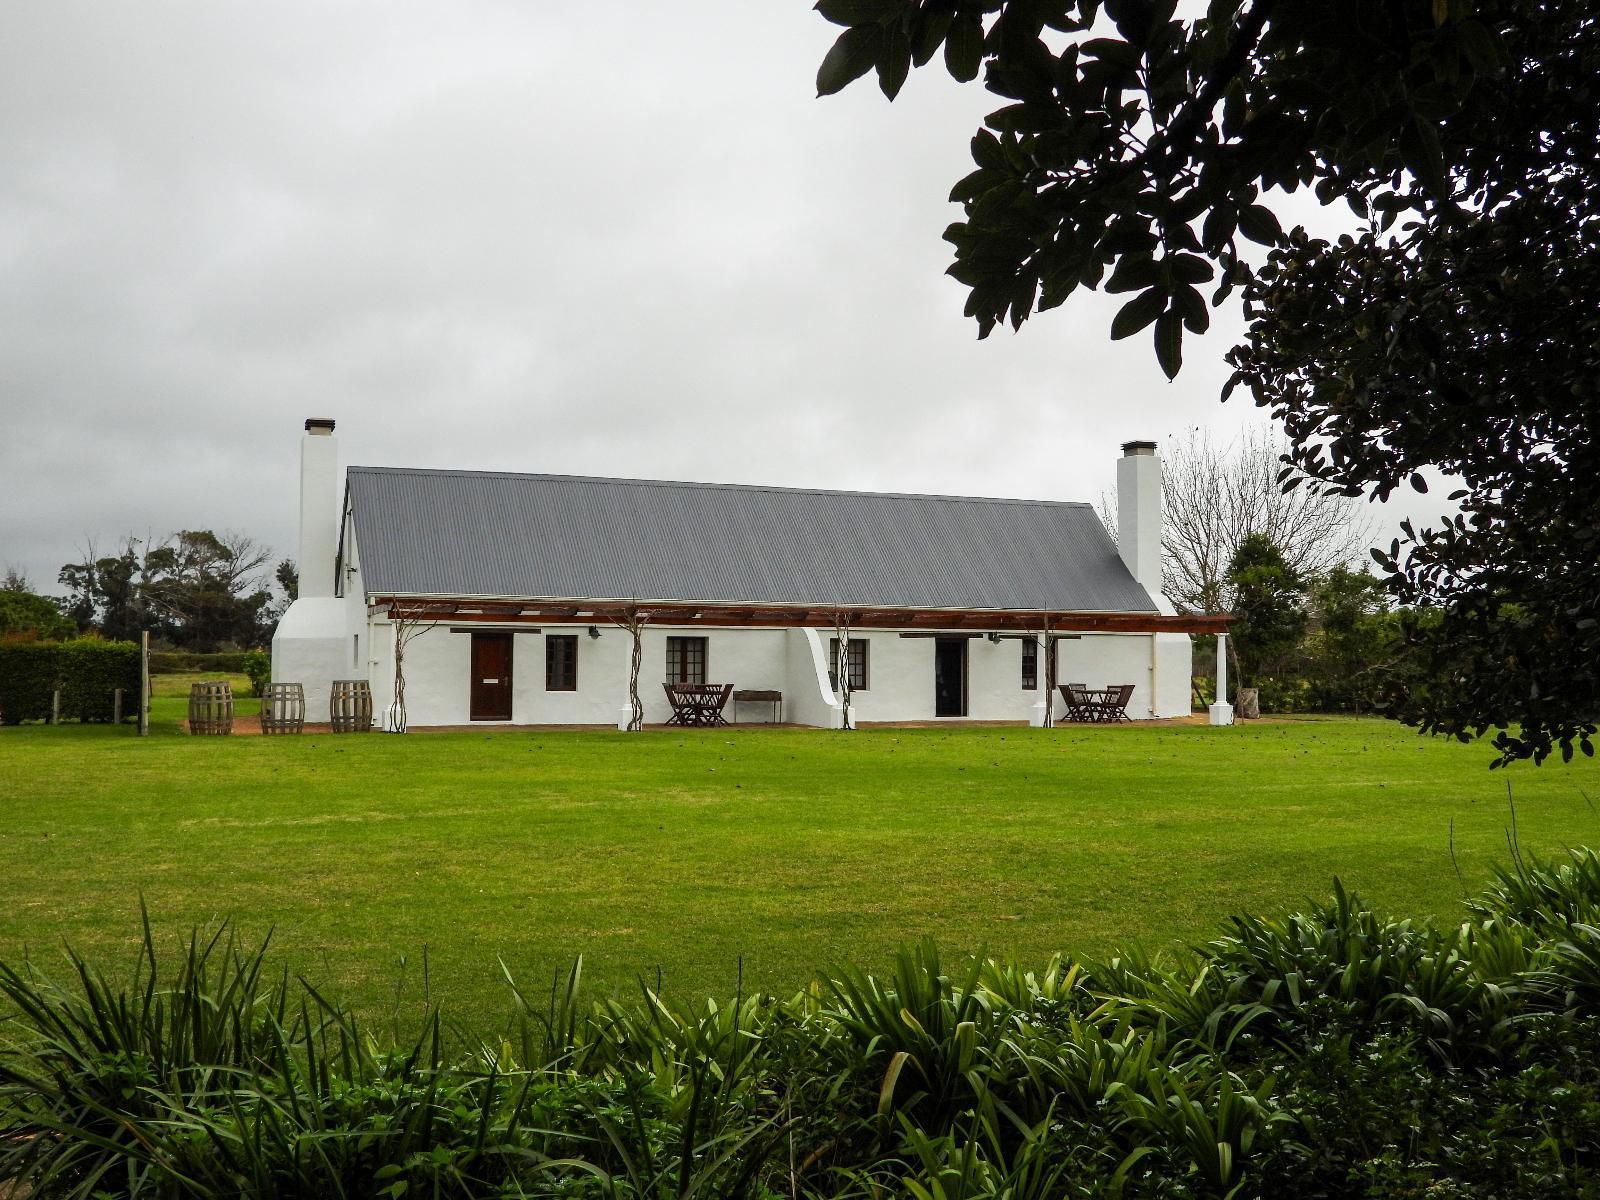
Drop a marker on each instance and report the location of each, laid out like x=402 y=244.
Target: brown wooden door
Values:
x=491 y=676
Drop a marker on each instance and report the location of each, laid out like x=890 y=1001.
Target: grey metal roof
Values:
x=486 y=534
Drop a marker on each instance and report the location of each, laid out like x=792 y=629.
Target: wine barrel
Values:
x=211 y=707
x=283 y=708
x=350 y=706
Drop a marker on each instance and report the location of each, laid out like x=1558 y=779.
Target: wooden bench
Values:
x=758 y=696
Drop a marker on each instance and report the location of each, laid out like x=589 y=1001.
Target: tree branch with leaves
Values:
x=1455 y=329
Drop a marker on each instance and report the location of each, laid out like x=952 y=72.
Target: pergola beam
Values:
x=534 y=612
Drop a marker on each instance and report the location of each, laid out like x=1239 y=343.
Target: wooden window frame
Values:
x=1030 y=664
x=858 y=670
x=557 y=645
x=681 y=655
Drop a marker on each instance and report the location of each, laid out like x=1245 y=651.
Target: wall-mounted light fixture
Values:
x=995 y=638
x=594 y=631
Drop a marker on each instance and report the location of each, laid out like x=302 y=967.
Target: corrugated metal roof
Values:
x=487 y=534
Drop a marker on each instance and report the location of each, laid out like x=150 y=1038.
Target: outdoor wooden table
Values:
x=697 y=704
x=1095 y=704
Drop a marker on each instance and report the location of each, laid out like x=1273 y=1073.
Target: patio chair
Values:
x=1116 y=708
x=680 y=709
x=1078 y=703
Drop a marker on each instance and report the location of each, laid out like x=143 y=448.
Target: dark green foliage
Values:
x=1269 y=610
x=28 y=674
x=1353 y=648
x=90 y=671
x=288 y=577
x=195 y=590
x=87 y=672
x=258 y=665
x=172 y=662
x=1333 y=1053
x=25 y=614
x=1454 y=329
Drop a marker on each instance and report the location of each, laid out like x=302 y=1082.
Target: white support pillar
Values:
x=1222 y=711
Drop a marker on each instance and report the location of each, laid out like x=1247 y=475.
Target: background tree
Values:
x=107 y=592
x=288 y=577
x=23 y=614
x=1454 y=328
x=1353 y=651
x=1270 y=614
x=1214 y=497
x=206 y=587
x=194 y=589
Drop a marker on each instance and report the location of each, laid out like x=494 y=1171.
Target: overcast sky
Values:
x=620 y=239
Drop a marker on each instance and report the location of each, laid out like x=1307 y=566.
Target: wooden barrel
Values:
x=350 y=706
x=211 y=707
x=283 y=708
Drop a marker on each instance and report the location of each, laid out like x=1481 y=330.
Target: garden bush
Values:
x=258 y=665
x=1336 y=1052
x=87 y=672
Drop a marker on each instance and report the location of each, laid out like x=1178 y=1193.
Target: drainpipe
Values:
x=1153 y=675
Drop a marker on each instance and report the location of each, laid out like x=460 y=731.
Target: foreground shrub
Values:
x=1332 y=1053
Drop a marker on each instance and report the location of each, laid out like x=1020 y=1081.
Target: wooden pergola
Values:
x=682 y=613
x=633 y=615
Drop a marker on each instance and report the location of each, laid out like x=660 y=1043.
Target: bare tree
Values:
x=1214 y=497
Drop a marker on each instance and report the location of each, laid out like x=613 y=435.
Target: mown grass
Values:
x=394 y=866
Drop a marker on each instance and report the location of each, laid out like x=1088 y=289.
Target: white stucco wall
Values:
x=322 y=636
x=793 y=661
x=1102 y=660
x=438 y=667
x=807 y=696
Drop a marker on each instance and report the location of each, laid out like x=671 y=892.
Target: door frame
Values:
x=939 y=643
x=474 y=713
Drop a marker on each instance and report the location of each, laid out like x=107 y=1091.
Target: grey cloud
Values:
x=621 y=239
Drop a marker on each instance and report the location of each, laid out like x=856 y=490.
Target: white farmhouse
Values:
x=512 y=593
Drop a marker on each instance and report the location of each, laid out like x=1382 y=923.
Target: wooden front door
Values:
x=491 y=676
x=950 y=677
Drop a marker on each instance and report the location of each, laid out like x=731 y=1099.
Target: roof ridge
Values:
x=736 y=487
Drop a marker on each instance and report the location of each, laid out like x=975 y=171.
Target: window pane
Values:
x=855 y=662
x=856 y=655
x=1030 y=665
x=561 y=662
x=686 y=660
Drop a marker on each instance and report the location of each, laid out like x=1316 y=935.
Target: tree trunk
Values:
x=634 y=626
x=841 y=665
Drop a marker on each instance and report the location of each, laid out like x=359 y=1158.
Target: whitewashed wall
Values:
x=439 y=662
x=324 y=638
x=900 y=674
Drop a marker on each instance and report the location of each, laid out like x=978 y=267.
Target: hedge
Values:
x=171 y=662
x=87 y=672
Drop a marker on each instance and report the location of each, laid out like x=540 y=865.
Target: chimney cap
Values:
x=1129 y=449
x=322 y=425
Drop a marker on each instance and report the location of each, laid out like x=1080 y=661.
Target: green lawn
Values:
x=688 y=850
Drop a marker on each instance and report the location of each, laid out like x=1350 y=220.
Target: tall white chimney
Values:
x=1139 y=514
x=319 y=508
